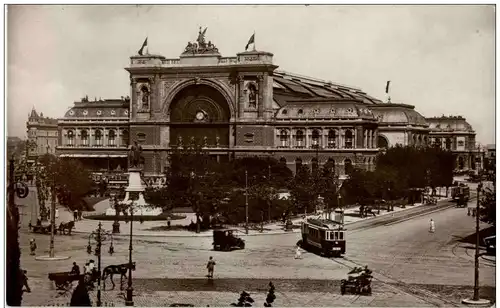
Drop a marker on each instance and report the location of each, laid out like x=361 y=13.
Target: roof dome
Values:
x=398 y=114
x=451 y=123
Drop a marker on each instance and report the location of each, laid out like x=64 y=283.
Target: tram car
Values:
x=460 y=193
x=323 y=235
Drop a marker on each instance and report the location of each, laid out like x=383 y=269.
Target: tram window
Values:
x=341 y=235
x=327 y=235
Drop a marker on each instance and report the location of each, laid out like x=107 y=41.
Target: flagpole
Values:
x=253 y=40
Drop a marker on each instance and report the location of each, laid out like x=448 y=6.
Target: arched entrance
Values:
x=382 y=142
x=199 y=115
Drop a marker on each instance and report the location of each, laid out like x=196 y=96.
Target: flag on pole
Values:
x=145 y=44
x=250 y=41
x=387 y=87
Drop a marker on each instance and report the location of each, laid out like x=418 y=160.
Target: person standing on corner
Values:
x=32 y=247
x=210 y=267
x=432 y=226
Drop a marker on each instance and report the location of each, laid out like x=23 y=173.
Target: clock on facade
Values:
x=200 y=115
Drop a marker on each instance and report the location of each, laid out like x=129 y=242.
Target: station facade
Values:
x=233 y=107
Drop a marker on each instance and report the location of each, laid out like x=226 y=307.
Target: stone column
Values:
x=341 y=138
x=306 y=131
x=290 y=142
x=105 y=137
x=323 y=137
x=260 y=100
x=133 y=98
x=241 y=95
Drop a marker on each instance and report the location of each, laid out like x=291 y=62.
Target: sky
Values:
x=441 y=59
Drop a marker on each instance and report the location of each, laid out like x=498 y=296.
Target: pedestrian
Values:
x=432 y=226
x=298 y=253
x=79 y=215
x=24 y=280
x=75 y=215
x=75 y=270
x=32 y=247
x=86 y=268
x=210 y=267
x=57 y=213
x=168 y=222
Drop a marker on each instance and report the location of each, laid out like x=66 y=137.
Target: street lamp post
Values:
x=52 y=220
x=476 y=256
x=99 y=235
x=116 y=223
x=476 y=301
x=130 y=289
x=246 y=201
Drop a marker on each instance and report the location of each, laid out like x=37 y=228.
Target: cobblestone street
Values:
x=404 y=256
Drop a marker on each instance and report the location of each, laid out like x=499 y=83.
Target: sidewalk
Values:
x=86 y=226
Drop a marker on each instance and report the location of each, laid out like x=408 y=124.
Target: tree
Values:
x=487 y=205
x=302 y=190
x=71 y=180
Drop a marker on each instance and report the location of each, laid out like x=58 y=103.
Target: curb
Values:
x=278 y=232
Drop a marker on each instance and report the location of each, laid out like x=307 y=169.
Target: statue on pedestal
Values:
x=135 y=158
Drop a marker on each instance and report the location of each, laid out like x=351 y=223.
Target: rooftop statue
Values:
x=200 y=46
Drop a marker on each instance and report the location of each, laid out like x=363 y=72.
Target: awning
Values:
x=94 y=155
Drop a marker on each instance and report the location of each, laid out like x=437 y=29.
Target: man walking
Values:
x=210 y=267
x=32 y=247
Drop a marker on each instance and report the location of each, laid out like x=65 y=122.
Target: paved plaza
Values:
x=411 y=266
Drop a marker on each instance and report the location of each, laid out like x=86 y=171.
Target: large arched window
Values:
x=300 y=138
x=125 y=138
x=332 y=139
x=314 y=165
x=348 y=166
x=98 y=138
x=330 y=165
x=298 y=164
x=84 y=136
x=438 y=142
x=448 y=143
x=315 y=138
x=70 y=138
x=284 y=138
x=382 y=142
x=348 y=139
x=112 y=138
x=283 y=161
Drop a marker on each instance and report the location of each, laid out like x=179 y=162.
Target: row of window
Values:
x=315 y=135
x=98 y=138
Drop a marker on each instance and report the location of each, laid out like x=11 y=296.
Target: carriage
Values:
x=325 y=235
x=64 y=280
x=46 y=229
x=358 y=281
x=225 y=240
x=43 y=229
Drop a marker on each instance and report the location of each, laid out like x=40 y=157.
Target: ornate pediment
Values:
x=200 y=46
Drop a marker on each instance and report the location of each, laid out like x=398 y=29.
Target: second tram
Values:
x=326 y=236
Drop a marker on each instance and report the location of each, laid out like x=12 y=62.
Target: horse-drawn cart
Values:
x=358 y=281
x=43 y=229
x=64 y=280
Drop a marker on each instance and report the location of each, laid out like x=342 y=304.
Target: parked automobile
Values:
x=224 y=239
x=490 y=243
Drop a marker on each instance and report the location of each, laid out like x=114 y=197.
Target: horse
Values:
x=111 y=270
x=66 y=226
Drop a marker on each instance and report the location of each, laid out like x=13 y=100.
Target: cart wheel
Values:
x=369 y=290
